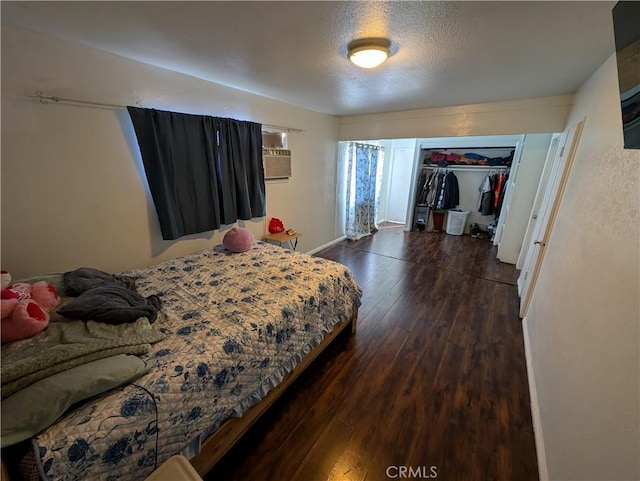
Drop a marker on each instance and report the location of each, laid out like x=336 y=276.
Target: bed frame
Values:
x=223 y=439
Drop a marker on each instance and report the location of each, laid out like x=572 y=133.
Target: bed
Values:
x=238 y=329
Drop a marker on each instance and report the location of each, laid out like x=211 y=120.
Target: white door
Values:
x=508 y=193
x=537 y=202
x=401 y=170
x=548 y=211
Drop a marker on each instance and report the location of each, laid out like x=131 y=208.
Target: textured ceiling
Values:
x=444 y=53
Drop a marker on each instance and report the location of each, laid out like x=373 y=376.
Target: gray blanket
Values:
x=64 y=345
x=112 y=304
x=84 y=278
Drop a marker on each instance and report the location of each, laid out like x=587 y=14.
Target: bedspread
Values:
x=235 y=325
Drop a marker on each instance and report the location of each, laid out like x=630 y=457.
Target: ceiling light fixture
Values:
x=369 y=52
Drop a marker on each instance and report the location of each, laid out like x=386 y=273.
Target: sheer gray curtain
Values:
x=203 y=172
x=364 y=169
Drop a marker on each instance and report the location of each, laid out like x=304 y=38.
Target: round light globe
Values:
x=368 y=57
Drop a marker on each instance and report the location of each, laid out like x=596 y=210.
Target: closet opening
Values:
x=449 y=180
x=481 y=186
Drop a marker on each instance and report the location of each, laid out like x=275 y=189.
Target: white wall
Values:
x=540 y=115
x=73 y=187
x=583 y=322
x=525 y=186
x=341 y=189
x=385 y=185
x=400 y=183
x=397 y=181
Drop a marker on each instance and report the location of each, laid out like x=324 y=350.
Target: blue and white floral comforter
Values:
x=236 y=324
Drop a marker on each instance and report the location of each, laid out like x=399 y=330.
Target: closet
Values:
x=454 y=178
x=471 y=160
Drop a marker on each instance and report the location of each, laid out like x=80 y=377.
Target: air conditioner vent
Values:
x=277 y=163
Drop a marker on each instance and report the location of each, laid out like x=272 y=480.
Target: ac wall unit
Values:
x=277 y=163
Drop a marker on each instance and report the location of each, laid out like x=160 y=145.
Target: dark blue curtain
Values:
x=203 y=172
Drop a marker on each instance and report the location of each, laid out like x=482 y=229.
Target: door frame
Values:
x=537 y=202
x=548 y=212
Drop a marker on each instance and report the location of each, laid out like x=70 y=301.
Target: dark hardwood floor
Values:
x=435 y=375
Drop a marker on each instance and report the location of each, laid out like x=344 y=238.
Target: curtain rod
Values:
x=371 y=146
x=45 y=100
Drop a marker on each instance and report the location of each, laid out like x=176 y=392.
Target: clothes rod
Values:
x=504 y=147
x=45 y=100
x=467 y=167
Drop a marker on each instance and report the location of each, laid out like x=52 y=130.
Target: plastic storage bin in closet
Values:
x=456 y=221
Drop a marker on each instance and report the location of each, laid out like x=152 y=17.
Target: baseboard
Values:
x=328 y=244
x=535 y=407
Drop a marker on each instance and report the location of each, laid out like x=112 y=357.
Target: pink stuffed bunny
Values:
x=25 y=308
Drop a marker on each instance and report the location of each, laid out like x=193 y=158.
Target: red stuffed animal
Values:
x=25 y=308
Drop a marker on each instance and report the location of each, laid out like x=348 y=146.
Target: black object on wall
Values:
x=626 y=27
x=203 y=172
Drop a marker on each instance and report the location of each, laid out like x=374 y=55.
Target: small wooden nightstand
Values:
x=283 y=237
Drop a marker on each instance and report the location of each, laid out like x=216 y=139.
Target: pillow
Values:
x=39 y=405
x=238 y=239
x=112 y=305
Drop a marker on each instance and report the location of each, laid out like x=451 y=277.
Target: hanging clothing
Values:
x=492 y=191
x=440 y=199
x=498 y=188
x=439 y=190
x=503 y=191
x=487 y=196
x=436 y=187
x=451 y=192
x=423 y=187
x=447 y=193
